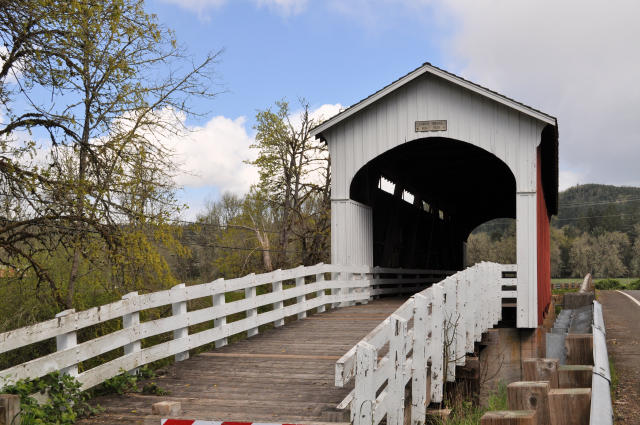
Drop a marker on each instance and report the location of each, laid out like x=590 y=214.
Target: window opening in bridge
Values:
x=425 y=206
x=408 y=196
x=441 y=214
x=386 y=185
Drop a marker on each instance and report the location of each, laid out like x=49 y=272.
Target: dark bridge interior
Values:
x=427 y=196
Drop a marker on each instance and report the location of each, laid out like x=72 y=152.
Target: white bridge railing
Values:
x=422 y=342
x=287 y=293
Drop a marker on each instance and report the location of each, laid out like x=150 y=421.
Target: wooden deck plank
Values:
x=283 y=374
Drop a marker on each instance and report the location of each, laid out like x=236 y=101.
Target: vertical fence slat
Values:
x=66 y=341
x=320 y=294
x=395 y=384
x=252 y=313
x=278 y=305
x=301 y=299
x=461 y=333
x=219 y=301
x=362 y=406
x=346 y=290
x=179 y=309
x=437 y=320
x=450 y=320
x=419 y=368
x=131 y=320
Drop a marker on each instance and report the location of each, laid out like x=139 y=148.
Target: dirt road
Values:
x=622 y=319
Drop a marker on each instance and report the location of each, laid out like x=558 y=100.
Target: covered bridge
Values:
x=418 y=165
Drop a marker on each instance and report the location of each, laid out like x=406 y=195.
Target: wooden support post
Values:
x=509 y=417
x=395 y=384
x=301 y=299
x=461 y=329
x=179 y=309
x=579 y=349
x=362 y=406
x=526 y=395
x=574 y=376
x=66 y=341
x=132 y=320
x=219 y=302
x=420 y=399
x=570 y=406
x=320 y=294
x=363 y=276
x=10 y=409
x=252 y=313
x=541 y=370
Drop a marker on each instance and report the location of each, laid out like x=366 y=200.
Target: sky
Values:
x=577 y=60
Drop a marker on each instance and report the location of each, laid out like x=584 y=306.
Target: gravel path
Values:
x=622 y=319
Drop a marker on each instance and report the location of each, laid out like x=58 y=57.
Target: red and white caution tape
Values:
x=194 y=422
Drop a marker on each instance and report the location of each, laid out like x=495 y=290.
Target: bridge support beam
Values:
x=526 y=247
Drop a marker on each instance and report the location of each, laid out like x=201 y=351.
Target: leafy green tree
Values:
x=107 y=85
x=295 y=178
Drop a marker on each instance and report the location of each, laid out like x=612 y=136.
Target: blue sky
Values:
x=577 y=60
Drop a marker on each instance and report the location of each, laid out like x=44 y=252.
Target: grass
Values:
x=465 y=413
x=614 y=379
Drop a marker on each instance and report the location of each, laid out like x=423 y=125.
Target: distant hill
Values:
x=593 y=208
x=590 y=208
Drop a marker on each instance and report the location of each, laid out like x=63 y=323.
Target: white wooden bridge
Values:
x=373 y=343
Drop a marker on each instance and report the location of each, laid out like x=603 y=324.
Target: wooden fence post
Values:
x=570 y=406
x=450 y=320
x=66 y=341
x=541 y=370
x=219 y=301
x=132 y=320
x=461 y=329
x=252 y=313
x=419 y=397
x=179 y=309
x=437 y=354
x=364 y=396
x=302 y=298
x=345 y=292
x=320 y=294
x=10 y=409
x=530 y=396
x=395 y=384
x=276 y=288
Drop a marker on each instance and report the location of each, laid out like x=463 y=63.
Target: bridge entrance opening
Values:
x=426 y=196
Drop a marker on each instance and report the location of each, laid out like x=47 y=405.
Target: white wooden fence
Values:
x=422 y=342
x=292 y=292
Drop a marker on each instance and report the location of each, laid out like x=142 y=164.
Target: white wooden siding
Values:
x=351 y=233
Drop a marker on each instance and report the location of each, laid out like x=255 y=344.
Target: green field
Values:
x=623 y=280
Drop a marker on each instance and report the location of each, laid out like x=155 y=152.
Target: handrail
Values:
x=446 y=320
x=310 y=289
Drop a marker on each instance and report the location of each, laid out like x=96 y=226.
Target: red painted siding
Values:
x=544 y=248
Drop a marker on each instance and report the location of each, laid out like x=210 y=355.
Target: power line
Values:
x=579 y=204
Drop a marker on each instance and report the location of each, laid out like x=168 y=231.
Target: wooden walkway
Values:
x=281 y=375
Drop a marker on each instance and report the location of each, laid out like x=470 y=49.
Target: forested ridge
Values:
x=597 y=230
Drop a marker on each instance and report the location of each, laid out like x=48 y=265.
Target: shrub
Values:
x=605 y=284
x=66 y=402
x=634 y=285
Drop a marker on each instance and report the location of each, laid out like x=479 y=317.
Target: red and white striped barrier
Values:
x=194 y=422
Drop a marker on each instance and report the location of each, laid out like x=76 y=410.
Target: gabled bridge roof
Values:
x=433 y=70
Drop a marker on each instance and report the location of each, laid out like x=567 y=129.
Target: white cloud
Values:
x=575 y=59
x=570 y=178
x=198 y=6
x=284 y=7
x=214 y=155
